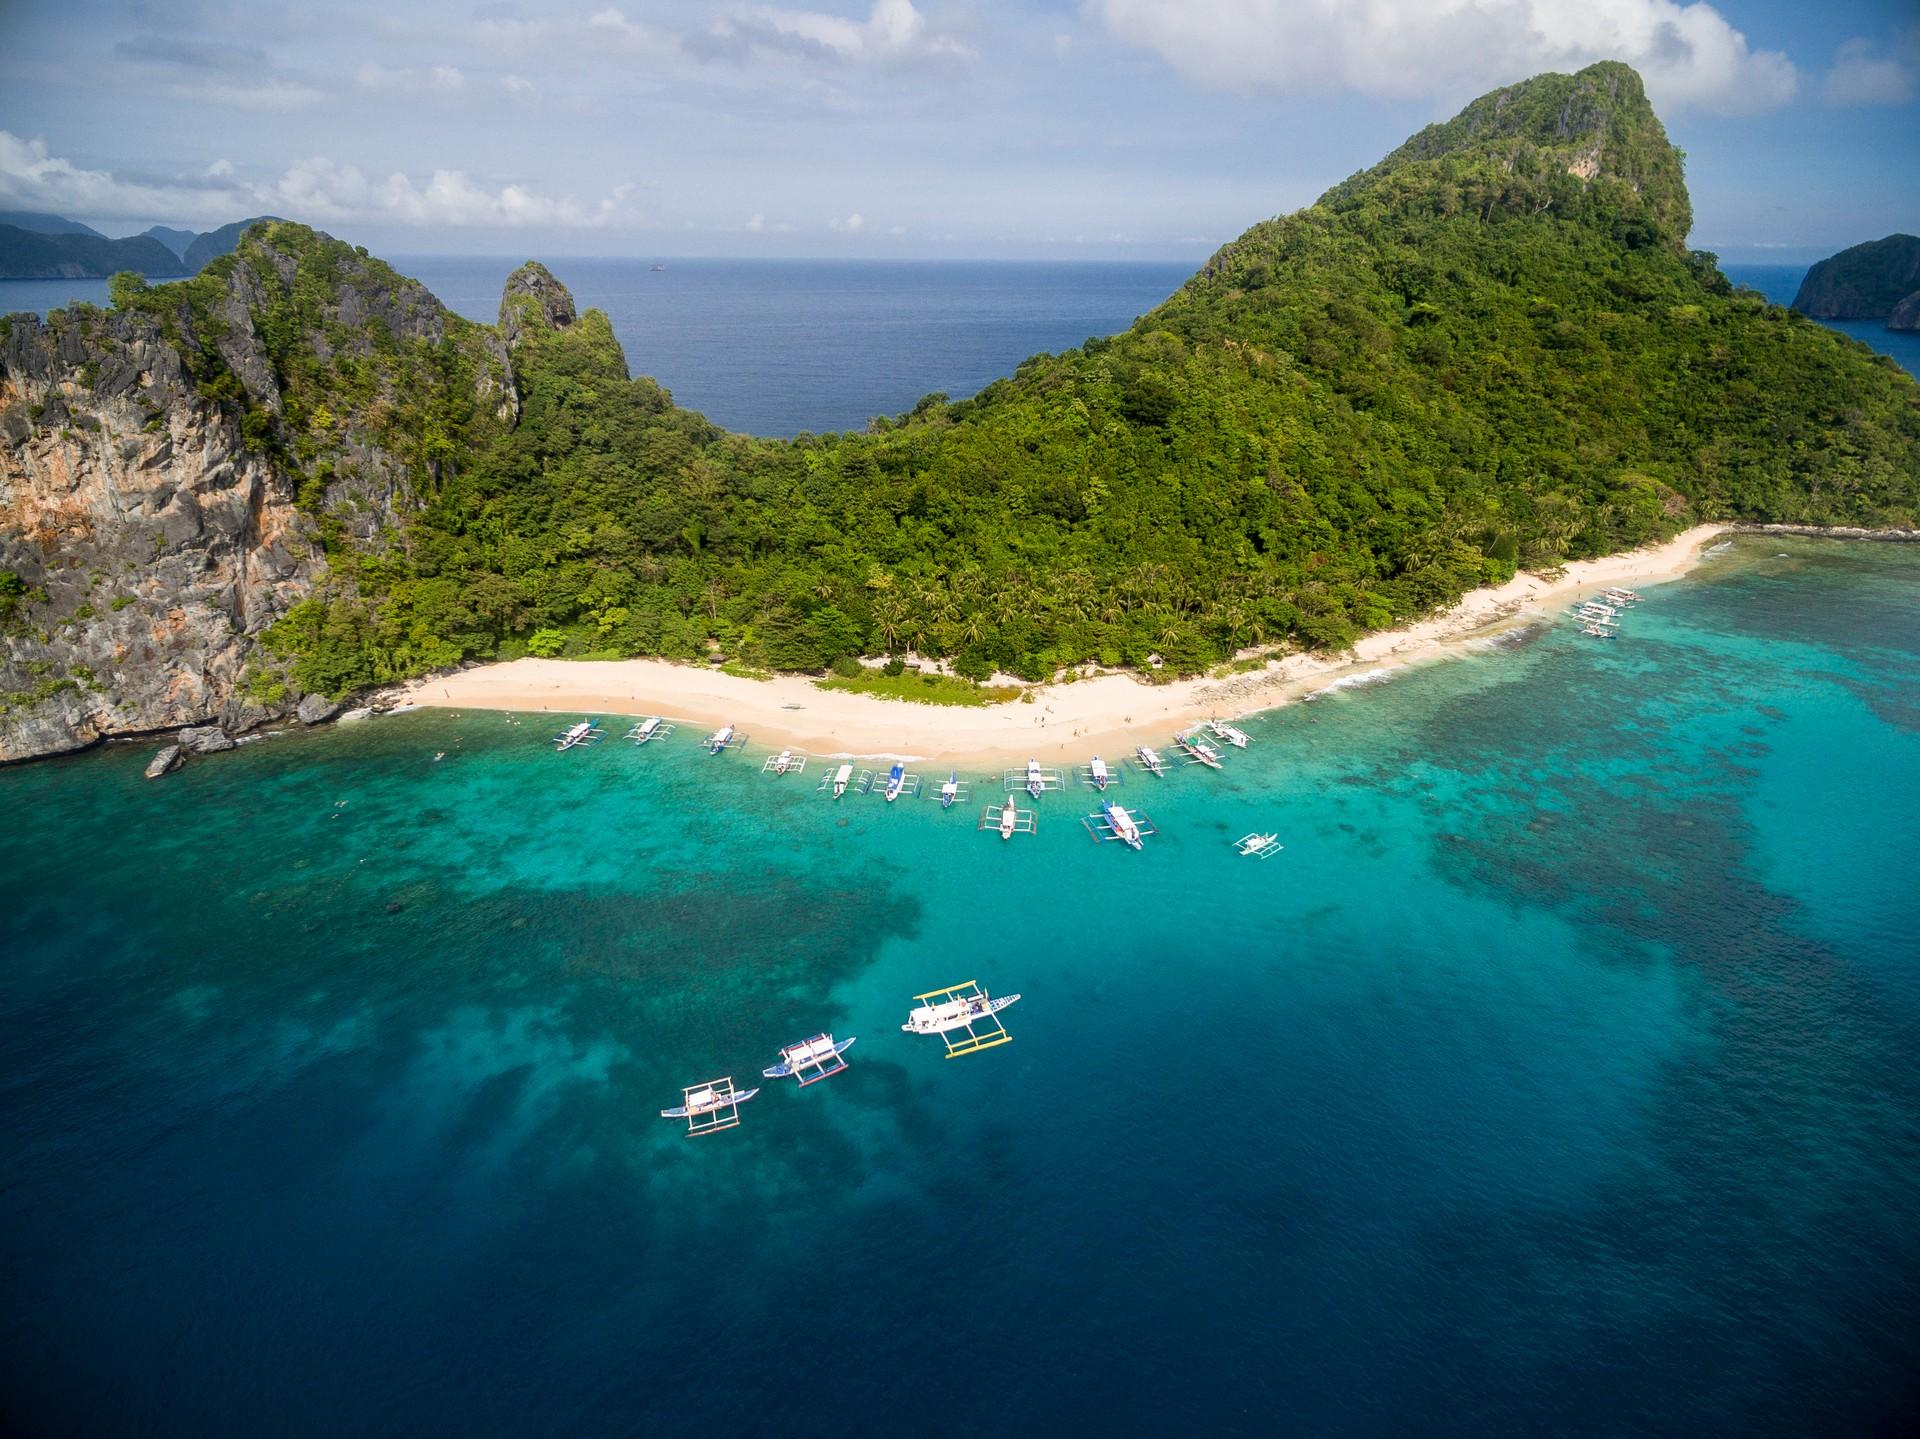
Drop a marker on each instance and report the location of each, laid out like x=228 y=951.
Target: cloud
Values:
x=33 y=179
x=1861 y=77
x=445 y=79
x=322 y=192
x=317 y=191
x=516 y=84
x=606 y=32
x=852 y=225
x=1407 y=49
x=893 y=32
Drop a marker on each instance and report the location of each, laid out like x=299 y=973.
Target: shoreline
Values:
x=1065 y=721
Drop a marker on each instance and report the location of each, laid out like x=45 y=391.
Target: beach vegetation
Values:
x=1491 y=351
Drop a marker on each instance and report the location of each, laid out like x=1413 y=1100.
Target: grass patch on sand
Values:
x=927 y=689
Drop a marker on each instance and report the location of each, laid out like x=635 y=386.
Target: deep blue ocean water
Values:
x=778 y=347
x=1558 y=1076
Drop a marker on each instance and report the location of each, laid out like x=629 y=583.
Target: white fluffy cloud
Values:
x=1688 y=53
x=893 y=31
x=1861 y=76
x=851 y=225
x=317 y=191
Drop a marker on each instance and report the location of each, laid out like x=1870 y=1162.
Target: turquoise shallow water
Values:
x=1559 y=1074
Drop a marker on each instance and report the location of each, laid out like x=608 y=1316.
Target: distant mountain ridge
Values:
x=36 y=246
x=1879 y=280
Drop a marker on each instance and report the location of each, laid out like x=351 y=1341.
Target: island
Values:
x=1879 y=280
x=297 y=476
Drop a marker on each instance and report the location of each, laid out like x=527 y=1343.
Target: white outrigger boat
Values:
x=1598 y=633
x=950 y=791
x=786 y=762
x=649 y=729
x=896 y=777
x=1036 y=779
x=711 y=1106
x=1620 y=596
x=1257 y=846
x=720 y=739
x=1197 y=750
x=586 y=732
x=812 y=1059
x=1097 y=773
x=960 y=1006
x=1125 y=829
x=1236 y=737
x=1151 y=762
x=1007 y=819
x=842 y=779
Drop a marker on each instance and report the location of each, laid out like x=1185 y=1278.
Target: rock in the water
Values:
x=317 y=709
x=205 y=739
x=1906 y=314
x=166 y=761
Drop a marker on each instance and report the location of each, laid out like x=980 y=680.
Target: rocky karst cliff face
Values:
x=172 y=473
x=1874 y=281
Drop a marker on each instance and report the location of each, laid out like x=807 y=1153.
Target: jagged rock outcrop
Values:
x=1864 y=282
x=168 y=470
x=533 y=300
x=205 y=739
x=168 y=759
x=316 y=709
x=1906 y=314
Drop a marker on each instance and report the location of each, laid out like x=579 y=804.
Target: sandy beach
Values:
x=1107 y=713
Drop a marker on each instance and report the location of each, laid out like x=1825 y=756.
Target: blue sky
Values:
x=904 y=128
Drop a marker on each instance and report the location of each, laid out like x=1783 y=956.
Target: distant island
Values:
x=34 y=246
x=298 y=475
x=1879 y=280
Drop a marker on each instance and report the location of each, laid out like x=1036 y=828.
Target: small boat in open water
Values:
x=950 y=791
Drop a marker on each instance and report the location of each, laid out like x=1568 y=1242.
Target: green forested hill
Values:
x=1491 y=350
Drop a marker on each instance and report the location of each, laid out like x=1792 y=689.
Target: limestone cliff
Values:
x=1866 y=282
x=174 y=473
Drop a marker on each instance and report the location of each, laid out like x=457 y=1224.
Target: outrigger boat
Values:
x=1151 y=762
x=811 y=1059
x=1257 y=846
x=842 y=777
x=896 y=777
x=1235 y=737
x=1598 y=633
x=960 y=1006
x=1097 y=773
x=1198 y=750
x=1620 y=596
x=1122 y=824
x=1009 y=820
x=719 y=739
x=1036 y=779
x=783 y=761
x=649 y=729
x=950 y=791
x=711 y=1106
x=586 y=732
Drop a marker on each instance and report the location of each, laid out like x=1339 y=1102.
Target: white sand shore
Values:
x=1109 y=713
